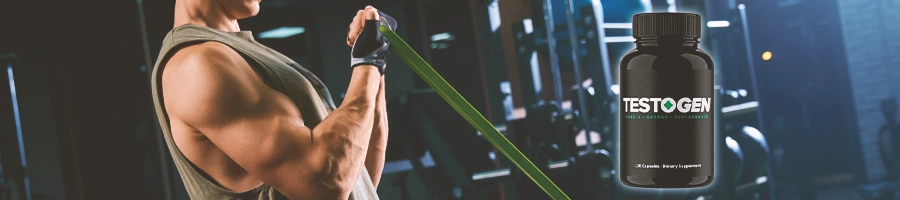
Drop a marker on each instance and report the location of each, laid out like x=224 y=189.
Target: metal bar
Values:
x=160 y=144
x=19 y=137
x=573 y=41
x=551 y=49
x=501 y=128
x=615 y=25
x=604 y=51
x=618 y=39
x=755 y=87
x=490 y=174
x=502 y=173
x=718 y=24
x=739 y=109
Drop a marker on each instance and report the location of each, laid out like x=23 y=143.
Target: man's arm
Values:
x=374 y=161
x=378 y=142
x=211 y=88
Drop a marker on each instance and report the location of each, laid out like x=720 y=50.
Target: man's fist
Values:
x=359 y=21
x=369 y=47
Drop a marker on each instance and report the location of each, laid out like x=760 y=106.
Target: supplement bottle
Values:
x=666 y=105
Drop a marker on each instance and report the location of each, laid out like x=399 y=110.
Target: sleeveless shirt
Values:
x=281 y=73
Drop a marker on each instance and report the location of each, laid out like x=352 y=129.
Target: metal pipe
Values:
x=755 y=87
x=160 y=144
x=551 y=49
x=19 y=137
x=573 y=41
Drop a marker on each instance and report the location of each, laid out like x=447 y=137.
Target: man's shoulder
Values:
x=206 y=59
x=208 y=66
x=204 y=54
x=200 y=79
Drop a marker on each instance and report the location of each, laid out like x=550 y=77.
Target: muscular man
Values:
x=243 y=121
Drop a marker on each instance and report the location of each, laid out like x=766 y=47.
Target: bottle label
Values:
x=666 y=119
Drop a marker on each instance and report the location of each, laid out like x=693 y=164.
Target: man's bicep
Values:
x=269 y=140
x=257 y=127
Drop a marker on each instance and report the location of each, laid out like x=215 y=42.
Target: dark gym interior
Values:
x=807 y=95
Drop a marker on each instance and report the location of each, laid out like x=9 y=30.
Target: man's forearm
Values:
x=344 y=135
x=378 y=142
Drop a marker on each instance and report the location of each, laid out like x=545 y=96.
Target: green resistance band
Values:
x=406 y=53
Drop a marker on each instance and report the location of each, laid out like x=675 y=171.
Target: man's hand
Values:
x=359 y=22
x=369 y=47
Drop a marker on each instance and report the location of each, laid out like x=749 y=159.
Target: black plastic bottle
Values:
x=666 y=105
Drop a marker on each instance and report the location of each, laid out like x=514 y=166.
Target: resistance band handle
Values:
x=411 y=58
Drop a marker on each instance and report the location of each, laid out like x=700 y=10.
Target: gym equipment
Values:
x=464 y=169
x=463 y=161
x=581 y=30
x=740 y=104
x=542 y=145
x=756 y=169
x=472 y=116
x=429 y=132
x=594 y=176
x=11 y=127
x=889 y=135
x=545 y=135
x=576 y=65
x=588 y=173
x=541 y=120
x=755 y=151
x=888 y=187
x=590 y=176
x=735 y=158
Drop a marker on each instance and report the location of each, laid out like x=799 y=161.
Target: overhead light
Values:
x=717 y=24
x=283 y=32
x=529 y=26
x=494 y=15
x=442 y=36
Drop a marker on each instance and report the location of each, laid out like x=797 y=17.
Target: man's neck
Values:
x=204 y=14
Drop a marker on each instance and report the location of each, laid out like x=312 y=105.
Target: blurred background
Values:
x=807 y=106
